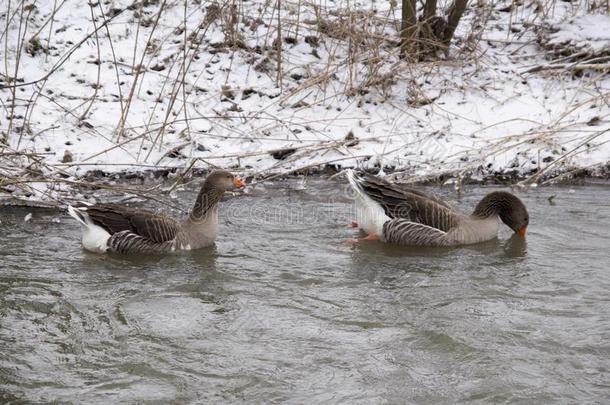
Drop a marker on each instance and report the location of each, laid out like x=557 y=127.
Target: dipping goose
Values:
x=114 y=228
x=404 y=216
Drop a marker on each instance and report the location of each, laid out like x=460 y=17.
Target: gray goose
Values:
x=115 y=228
x=408 y=217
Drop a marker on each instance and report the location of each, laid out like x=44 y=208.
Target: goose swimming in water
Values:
x=404 y=216
x=115 y=228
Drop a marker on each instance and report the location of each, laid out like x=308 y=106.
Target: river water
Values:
x=281 y=311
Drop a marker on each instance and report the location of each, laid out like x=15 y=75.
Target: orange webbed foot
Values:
x=351 y=242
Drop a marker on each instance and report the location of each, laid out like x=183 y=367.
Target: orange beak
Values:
x=521 y=231
x=239 y=183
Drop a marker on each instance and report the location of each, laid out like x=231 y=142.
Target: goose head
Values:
x=508 y=207
x=516 y=216
x=223 y=180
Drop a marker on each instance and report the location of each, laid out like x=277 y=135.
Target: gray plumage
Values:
x=406 y=216
x=114 y=228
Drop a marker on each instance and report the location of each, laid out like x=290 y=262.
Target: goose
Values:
x=119 y=229
x=403 y=216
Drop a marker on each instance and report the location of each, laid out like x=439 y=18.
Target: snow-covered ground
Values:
x=129 y=96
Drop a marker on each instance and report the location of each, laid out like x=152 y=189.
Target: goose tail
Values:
x=370 y=215
x=78 y=215
x=353 y=180
x=95 y=237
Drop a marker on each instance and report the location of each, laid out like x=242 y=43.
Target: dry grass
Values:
x=359 y=49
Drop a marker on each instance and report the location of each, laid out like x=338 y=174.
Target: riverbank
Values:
x=128 y=89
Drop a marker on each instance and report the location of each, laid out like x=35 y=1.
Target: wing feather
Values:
x=407 y=203
x=408 y=233
x=114 y=218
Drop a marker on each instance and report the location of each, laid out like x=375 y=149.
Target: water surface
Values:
x=280 y=311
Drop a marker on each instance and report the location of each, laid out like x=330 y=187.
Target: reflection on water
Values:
x=515 y=246
x=281 y=310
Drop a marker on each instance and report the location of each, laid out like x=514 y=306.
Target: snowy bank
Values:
x=126 y=86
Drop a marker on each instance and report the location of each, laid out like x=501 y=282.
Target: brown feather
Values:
x=114 y=218
x=401 y=202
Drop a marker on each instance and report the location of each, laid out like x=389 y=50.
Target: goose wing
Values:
x=404 y=232
x=114 y=219
x=407 y=203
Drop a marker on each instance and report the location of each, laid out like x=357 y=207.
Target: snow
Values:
x=485 y=116
x=588 y=32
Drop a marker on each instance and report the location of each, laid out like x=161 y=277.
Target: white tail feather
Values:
x=95 y=237
x=370 y=215
x=76 y=214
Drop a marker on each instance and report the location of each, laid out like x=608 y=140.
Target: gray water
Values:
x=280 y=311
